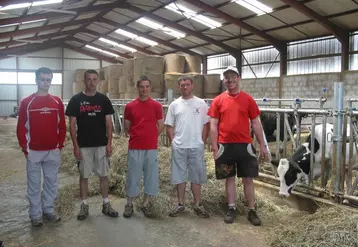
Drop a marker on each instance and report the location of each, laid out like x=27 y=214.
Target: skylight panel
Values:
x=149 y=23
x=136 y=37
x=102 y=51
x=190 y=14
x=117 y=45
x=255 y=6
x=26 y=5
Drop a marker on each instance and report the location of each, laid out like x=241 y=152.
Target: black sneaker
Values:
x=253 y=218
x=230 y=215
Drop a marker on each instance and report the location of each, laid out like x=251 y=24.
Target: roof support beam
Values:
x=91 y=54
x=123 y=55
x=341 y=34
x=278 y=44
x=337 y=31
x=27 y=48
x=181 y=28
x=51 y=15
x=43 y=28
x=159 y=41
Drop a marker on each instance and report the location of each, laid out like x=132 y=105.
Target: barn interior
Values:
x=292 y=55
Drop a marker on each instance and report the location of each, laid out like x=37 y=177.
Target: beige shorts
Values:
x=94 y=161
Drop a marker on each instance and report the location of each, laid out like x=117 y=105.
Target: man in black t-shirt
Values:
x=92 y=143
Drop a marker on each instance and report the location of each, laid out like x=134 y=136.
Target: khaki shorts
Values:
x=94 y=161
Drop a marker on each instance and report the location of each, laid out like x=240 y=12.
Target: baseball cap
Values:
x=232 y=68
x=220 y=151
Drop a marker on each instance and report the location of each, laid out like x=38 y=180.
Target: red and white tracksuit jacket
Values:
x=41 y=125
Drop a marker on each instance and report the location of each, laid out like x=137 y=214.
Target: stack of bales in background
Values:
x=113 y=75
x=152 y=67
x=126 y=81
x=78 y=85
x=212 y=86
x=102 y=86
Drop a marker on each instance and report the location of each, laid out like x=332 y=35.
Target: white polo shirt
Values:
x=188 y=117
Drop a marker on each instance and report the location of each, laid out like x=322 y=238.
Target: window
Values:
x=30 y=77
x=8 y=78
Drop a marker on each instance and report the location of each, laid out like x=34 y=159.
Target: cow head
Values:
x=289 y=173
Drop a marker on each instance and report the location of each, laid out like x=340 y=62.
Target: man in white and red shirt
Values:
x=41 y=131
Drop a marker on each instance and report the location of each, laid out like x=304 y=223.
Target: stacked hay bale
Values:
x=192 y=64
x=102 y=86
x=128 y=80
x=114 y=73
x=152 y=67
x=78 y=84
x=212 y=86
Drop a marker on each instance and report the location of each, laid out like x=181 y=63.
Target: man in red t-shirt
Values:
x=143 y=120
x=41 y=131
x=231 y=113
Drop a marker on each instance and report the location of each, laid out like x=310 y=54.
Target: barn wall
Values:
x=303 y=86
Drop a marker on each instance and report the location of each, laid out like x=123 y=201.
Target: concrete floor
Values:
x=99 y=230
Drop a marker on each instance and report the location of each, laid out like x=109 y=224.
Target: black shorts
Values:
x=237 y=159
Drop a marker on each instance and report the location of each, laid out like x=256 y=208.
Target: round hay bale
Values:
x=131 y=89
x=192 y=64
x=130 y=95
x=122 y=84
x=171 y=82
x=80 y=74
x=113 y=85
x=212 y=84
x=104 y=87
x=114 y=95
x=155 y=95
x=115 y=71
x=210 y=95
x=78 y=87
x=174 y=63
x=148 y=64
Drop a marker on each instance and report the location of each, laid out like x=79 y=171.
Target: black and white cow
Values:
x=297 y=168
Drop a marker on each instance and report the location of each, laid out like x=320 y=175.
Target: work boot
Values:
x=83 y=212
x=201 y=211
x=147 y=210
x=230 y=215
x=253 y=218
x=128 y=210
x=108 y=210
x=36 y=222
x=51 y=217
x=177 y=210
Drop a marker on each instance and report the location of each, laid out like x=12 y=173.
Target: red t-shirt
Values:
x=234 y=113
x=143 y=115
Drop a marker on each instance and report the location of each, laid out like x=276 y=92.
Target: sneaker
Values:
x=147 y=210
x=253 y=218
x=83 y=212
x=128 y=210
x=36 y=222
x=230 y=215
x=108 y=210
x=201 y=211
x=177 y=210
x=51 y=217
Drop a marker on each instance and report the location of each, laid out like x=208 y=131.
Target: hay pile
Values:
x=213 y=193
x=328 y=227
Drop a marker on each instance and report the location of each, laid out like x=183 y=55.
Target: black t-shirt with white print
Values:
x=90 y=112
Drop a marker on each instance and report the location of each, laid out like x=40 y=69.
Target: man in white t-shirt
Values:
x=187 y=126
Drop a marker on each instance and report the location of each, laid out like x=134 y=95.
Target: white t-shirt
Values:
x=188 y=118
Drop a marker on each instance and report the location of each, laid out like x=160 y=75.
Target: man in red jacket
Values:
x=41 y=131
